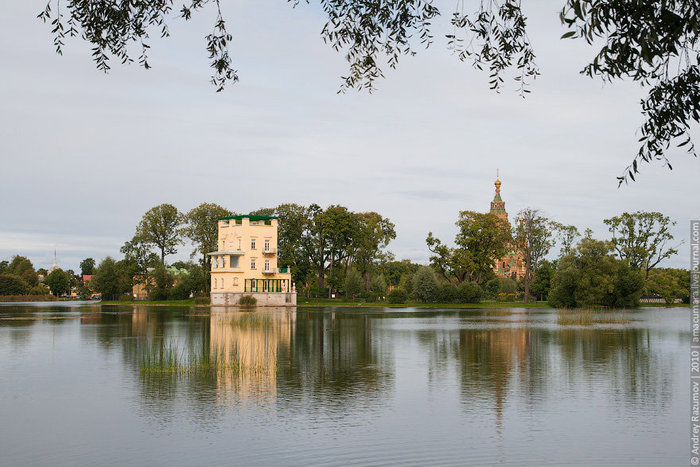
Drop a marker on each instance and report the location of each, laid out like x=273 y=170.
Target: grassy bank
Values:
x=27 y=298
x=326 y=302
x=188 y=302
x=321 y=302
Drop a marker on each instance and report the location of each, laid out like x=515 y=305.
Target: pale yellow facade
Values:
x=246 y=258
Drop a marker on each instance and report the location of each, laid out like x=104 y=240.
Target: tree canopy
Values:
x=652 y=42
x=161 y=227
x=642 y=238
x=482 y=239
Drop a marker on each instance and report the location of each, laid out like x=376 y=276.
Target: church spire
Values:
x=498 y=206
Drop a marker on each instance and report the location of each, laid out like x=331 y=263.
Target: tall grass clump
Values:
x=590 y=316
x=247 y=300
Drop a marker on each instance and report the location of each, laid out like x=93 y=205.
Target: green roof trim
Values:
x=248 y=216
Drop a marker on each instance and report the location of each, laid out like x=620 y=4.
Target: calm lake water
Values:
x=340 y=387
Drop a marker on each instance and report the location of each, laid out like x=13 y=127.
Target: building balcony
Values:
x=283 y=270
x=270 y=251
x=227 y=252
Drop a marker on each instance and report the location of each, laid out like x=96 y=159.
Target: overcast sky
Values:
x=85 y=154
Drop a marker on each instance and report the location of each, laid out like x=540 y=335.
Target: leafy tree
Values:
x=641 y=238
x=138 y=255
x=160 y=284
x=593 y=276
x=327 y=238
x=107 y=280
x=652 y=42
x=378 y=285
x=406 y=282
x=293 y=220
x=12 y=284
x=542 y=283
x=161 y=228
x=533 y=236
x=671 y=284
x=394 y=271
x=3 y=265
x=23 y=267
x=482 y=239
x=202 y=228
x=58 y=281
x=424 y=284
x=373 y=234
x=42 y=271
x=566 y=234
x=353 y=283
x=87 y=267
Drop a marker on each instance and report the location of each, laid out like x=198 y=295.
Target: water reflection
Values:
x=507 y=379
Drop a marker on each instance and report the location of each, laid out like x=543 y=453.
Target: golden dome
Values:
x=497 y=182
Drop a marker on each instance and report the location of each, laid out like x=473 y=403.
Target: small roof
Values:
x=249 y=216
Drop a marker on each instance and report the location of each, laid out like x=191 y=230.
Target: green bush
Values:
x=247 y=300
x=125 y=297
x=39 y=290
x=469 y=292
x=11 y=284
x=202 y=301
x=180 y=291
x=397 y=296
x=445 y=293
x=371 y=297
x=424 y=284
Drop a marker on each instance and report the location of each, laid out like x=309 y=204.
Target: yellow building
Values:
x=246 y=263
x=513 y=263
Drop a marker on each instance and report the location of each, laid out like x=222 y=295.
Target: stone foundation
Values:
x=263 y=298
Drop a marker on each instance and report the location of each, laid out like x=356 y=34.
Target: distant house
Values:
x=245 y=263
x=88 y=277
x=144 y=282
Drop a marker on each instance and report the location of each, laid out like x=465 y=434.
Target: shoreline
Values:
x=323 y=304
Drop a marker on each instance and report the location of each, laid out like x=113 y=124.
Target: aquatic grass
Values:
x=169 y=360
x=590 y=316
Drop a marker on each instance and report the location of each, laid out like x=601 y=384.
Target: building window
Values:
x=222 y=283
x=252 y=264
x=267 y=265
x=215 y=284
x=267 y=245
x=233 y=261
x=504 y=264
x=235 y=281
x=239 y=244
x=252 y=244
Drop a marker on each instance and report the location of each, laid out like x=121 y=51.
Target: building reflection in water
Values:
x=246 y=347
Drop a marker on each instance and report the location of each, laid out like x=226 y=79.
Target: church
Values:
x=513 y=263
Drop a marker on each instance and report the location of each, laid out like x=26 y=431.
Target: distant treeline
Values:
x=333 y=251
